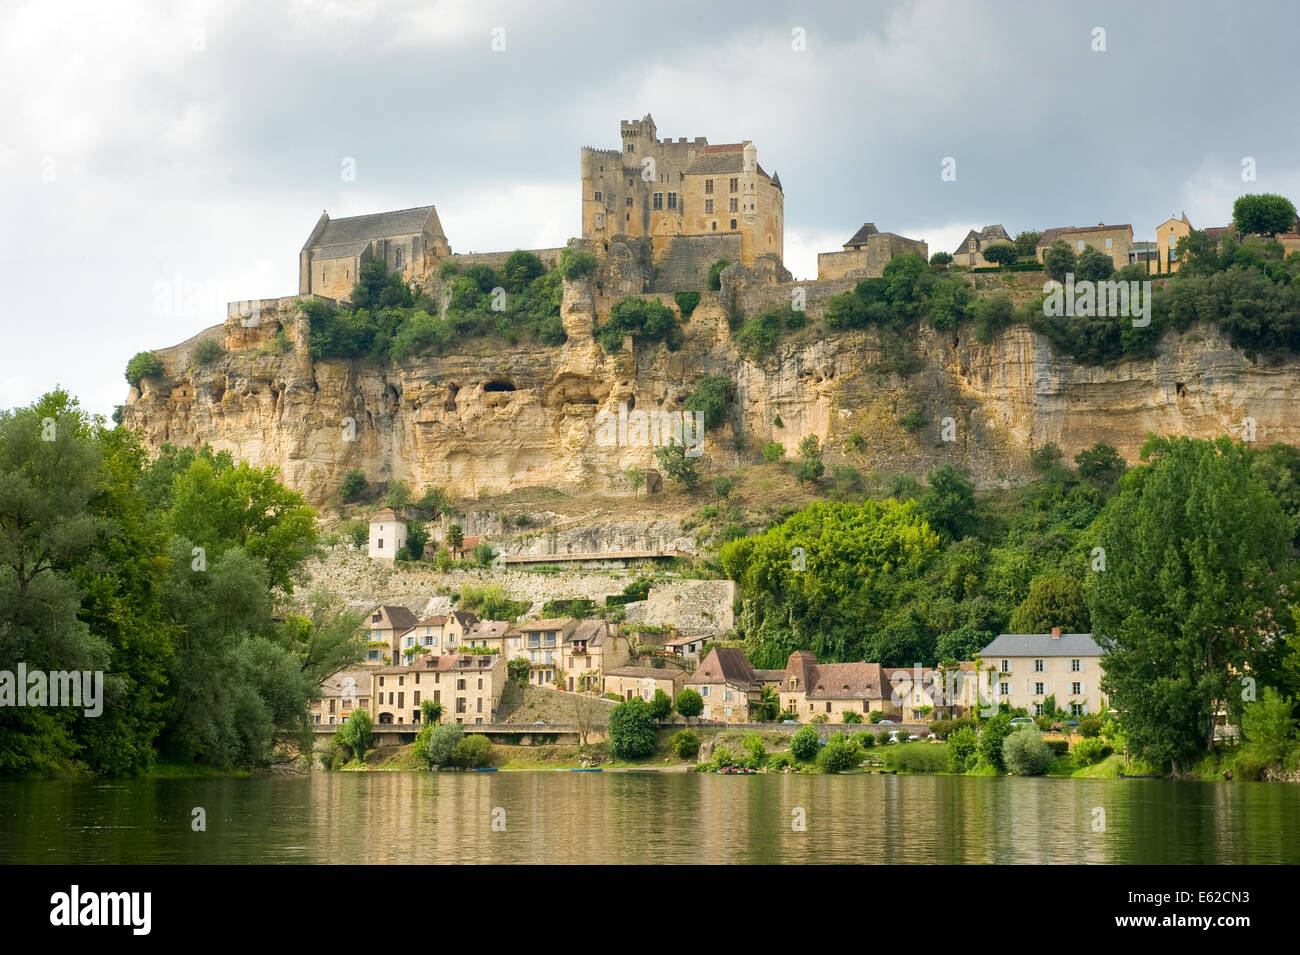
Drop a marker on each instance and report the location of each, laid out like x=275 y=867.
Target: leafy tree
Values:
x=661 y=706
x=805 y=744
x=993 y=734
x=356 y=734
x=631 y=729
x=326 y=639
x=455 y=537
x=437 y=742
x=1198 y=255
x=1001 y=253
x=1269 y=727
x=576 y=264
x=1101 y=466
x=1052 y=602
x=398 y=496
x=431 y=711
x=1026 y=243
x=636 y=478
x=838 y=754
x=1093 y=265
x=991 y=316
x=520 y=269
x=1264 y=214
x=1059 y=260
x=1026 y=753
x=472 y=751
x=1043 y=459
x=712 y=395
x=850 y=716
x=354 y=484
x=689 y=704
x=722 y=486
x=809 y=467
x=962 y=643
x=206 y=352
x=941 y=258
x=1199 y=565
x=677 y=465
x=145 y=364
x=755 y=751
x=962 y=750
x=434 y=502
x=773 y=451
x=767 y=707
x=417 y=536
x=686 y=303
x=949 y=503
x=646 y=320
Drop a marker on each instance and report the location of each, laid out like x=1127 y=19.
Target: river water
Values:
x=566 y=817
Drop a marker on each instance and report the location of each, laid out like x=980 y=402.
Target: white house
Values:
x=387 y=535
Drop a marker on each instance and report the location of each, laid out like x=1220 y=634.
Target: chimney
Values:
x=1056 y=633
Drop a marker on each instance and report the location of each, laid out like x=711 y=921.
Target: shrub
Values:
x=912 y=422
x=143 y=365
x=773 y=451
x=849 y=716
x=755 y=752
x=917 y=758
x=1090 y=727
x=356 y=735
x=661 y=705
x=631 y=729
x=644 y=319
x=992 y=735
x=472 y=751
x=576 y=264
x=838 y=755
x=436 y=742
x=1091 y=750
x=715 y=274
x=865 y=740
x=805 y=744
x=206 y=352
x=875 y=716
x=722 y=757
x=354 y=485
x=1058 y=259
x=685 y=744
x=962 y=750
x=722 y=486
x=1026 y=753
x=686 y=302
x=855 y=442
x=882 y=739
x=941 y=258
x=712 y=395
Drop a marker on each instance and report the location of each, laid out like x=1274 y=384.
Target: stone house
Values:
x=387 y=535
x=922 y=694
x=971 y=250
x=810 y=689
x=442 y=633
x=688 y=647
x=1026 y=668
x=592 y=647
x=642 y=682
x=542 y=642
x=866 y=254
x=387 y=624
x=1166 y=245
x=408 y=240
x=468 y=687
x=1114 y=240
x=727 y=684
x=340 y=695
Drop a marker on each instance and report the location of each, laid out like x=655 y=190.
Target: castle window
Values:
x=629 y=181
x=631 y=147
x=713 y=226
x=734 y=184
x=733 y=223
x=598 y=197
x=708 y=206
x=734 y=206
x=659 y=200
x=629 y=202
x=708 y=186
x=399 y=258
x=672 y=200
x=602 y=167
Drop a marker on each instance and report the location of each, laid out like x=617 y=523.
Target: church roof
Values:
x=355 y=230
x=860 y=237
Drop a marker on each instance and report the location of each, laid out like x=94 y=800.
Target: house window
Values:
x=1108 y=243
x=401 y=699
x=828 y=706
x=415 y=697
x=381 y=681
x=735 y=184
x=658 y=200
x=733 y=223
x=1038 y=666
x=708 y=206
x=708 y=187
x=631 y=147
x=480 y=683
x=1076 y=666
x=399 y=258
x=460 y=705
x=1038 y=709
x=1004 y=689
x=1080 y=245
x=1078 y=709
x=713 y=226
x=672 y=200
x=479 y=705
x=726 y=695
x=734 y=207
x=629 y=181
x=1038 y=689
x=704 y=691
x=380 y=545
x=1006 y=666
x=460 y=684
x=1076 y=689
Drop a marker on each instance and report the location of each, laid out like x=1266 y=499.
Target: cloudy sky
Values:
x=159 y=159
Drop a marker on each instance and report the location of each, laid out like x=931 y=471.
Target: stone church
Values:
x=409 y=240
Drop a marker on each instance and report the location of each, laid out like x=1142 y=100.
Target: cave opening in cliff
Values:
x=1178 y=388
x=498 y=385
x=450 y=403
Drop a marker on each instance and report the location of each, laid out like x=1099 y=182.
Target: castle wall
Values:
x=759 y=298
x=869 y=262
x=497 y=260
x=685 y=261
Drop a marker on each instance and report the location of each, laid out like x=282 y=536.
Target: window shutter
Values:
x=1083 y=689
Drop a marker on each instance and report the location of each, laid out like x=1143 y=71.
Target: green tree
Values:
x=689 y=704
x=715 y=274
x=472 y=751
x=145 y=364
x=773 y=451
x=1026 y=753
x=993 y=733
x=326 y=639
x=1001 y=253
x=437 y=742
x=455 y=537
x=1263 y=214
x=354 y=484
x=576 y=264
x=1026 y=243
x=661 y=706
x=356 y=734
x=646 y=320
x=809 y=467
x=755 y=751
x=636 y=478
x=722 y=486
x=206 y=352
x=962 y=750
x=433 y=502
x=1059 y=260
x=838 y=754
x=941 y=259
x=398 y=496
x=632 y=730
x=712 y=395
x=1054 y=601
x=805 y=744
x=431 y=711
x=677 y=465
x=520 y=269
x=1269 y=727
x=1199 y=565
x=417 y=536
x=949 y=502
x=1101 y=466
x=685 y=744
x=1093 y=265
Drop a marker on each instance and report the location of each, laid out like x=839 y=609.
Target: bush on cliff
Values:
x=646 y=320
x=143 y=365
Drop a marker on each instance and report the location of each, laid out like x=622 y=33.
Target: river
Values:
x=565 y=817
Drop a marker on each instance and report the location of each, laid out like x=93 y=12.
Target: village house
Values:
x=541 y=643
x=487 y=635
x=971 y=251
x=589 y=649
x=810 y=689
x=468 y=687
x=922 y=694
x=642 y=682
x=340 y=695
x=1166 y=245
x=387 y=535
x=727 y=684
x=688 y=647
x=1026 y=668
x=386 y=625
x=1114 y=240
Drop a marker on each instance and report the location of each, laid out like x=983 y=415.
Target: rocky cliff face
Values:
x=507 y=417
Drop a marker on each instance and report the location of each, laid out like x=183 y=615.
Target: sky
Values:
x=160 y=159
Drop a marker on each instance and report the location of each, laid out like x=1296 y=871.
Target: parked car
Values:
x=887 y=723
x=1020 y=722
x=790 y=722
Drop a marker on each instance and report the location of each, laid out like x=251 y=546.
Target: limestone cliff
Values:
x=502 y=417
